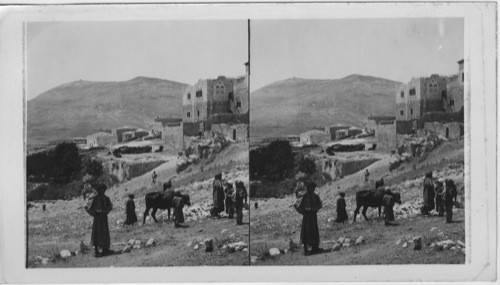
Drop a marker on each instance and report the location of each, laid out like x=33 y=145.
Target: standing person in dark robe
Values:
x=130 y=211
x=240 y=199
x=309 y=233
x=218 y=195
x=388 y=203
x=440 y=196
x=100 y=207
x=154 y=177
x=229 y=192
x=367 y=175
x=178 y=204
x=428 y=194
x=341 y=209
x=450 y=199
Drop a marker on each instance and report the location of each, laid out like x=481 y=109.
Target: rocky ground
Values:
x=60 y=236
x=275 y=225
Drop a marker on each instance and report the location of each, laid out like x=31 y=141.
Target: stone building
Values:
x=101 y=139
x=209 y=98
x=384 y=129
x=449 y=130
x=419 y=96
x=170 y=130
x=118 y=132
x=454 y=96
x=333 y=129
x=313 y=137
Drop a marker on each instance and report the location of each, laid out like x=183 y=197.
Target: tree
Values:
x=66 y=161
x=307 y=166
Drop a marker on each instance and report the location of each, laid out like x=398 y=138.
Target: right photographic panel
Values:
x=357 y=141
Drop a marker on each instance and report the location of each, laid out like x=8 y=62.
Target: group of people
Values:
x=226 y=197
x=439 y=194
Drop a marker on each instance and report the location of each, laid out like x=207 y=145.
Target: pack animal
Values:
x=163 y=201
x=373 y=199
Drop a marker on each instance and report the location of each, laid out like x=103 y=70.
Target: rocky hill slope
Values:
x=294 y=105
x=81 y=108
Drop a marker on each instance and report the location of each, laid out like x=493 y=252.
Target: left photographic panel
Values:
x=136 y=143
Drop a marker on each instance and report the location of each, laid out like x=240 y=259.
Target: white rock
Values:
x=131 y=241
x=189 y=244
x=137 y=242
x=245 y=250
x=224 y=231
x=337 y=247
x=359 y=241
x=46 y=260
x=196 y=247
x=137 y=246
x=274 y=251
x=330 y=220
x=341 y=240
x=150 y=242
x=127 y=248
x=233 y=236
x=347 y=240
x=460 y=243
x=119 y=222
x=346 y=244
x=65 y=253
x=433 y=229
x=405 y=245
x=453 y=248
x=398 y=242
x=253 y=259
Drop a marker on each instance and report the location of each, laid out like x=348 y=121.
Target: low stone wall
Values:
x=120 y=171
x=238 y=133
x=451 y=131
x=339 y=168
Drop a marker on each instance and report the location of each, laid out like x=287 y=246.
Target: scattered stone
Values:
x=341 y=240
x=209 y=245
x=417 y=243
x=285 y=251
x=463 y=250
x=232 y=236
x=245 y=250
x=137 y=246
x=438 y=247
x=433 y=229
x=337 y=247
x=347 y=244
x=224 y=247
x=292 y=245
x=127 y=248
x=189 y=244
x=330 y=220
x=46 y=260
x=196 y=246
x=150 y=242
x=274 y=251
x=131 y=241
x=224 y=231
x=441 y=234
x=359 y=241
x=229 y=249
x=253 y=259
x=119 y=222
x=453 y=248
x=347 y=240
x=398 y=242
x=460 y=243
x=65 y=253
x=405 y=245
x=137 y=242
x=238 y=246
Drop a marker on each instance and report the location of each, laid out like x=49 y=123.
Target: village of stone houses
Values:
x=370 y=177
x=160 y=176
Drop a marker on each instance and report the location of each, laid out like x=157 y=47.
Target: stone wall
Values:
x=193 y=129
x=386 y=135
x=339 y=168
x=240 y=89
x=451 y=131
x=238 y=132
x=173 y=136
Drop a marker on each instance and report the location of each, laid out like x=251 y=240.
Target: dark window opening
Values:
x=198 y=113
x=189 y=96
x=230 y=96
x=199 y=93
x=234 y=135
x=238 y=104
x=463 y=75
x=452 y=102
x=189 y=114
x=447 y=133
x=411 y=111
x=402 y=112
x=412 y=91
x=402 y=94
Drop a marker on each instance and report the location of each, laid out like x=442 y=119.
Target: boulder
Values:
x=346 y=244
x=359 y=241
x=398 y=242
x=127 y=248
x=224 y=232
x=347 y=240
x=253 y=259
x=137 y=246
x=460 y=243
x=417 y=243
x=196 y=246
x=337 y=247
x=238 y=246
x=189 y=244
x=405 y=245
x=341 y=240
x=137 y=242
x=209 y=245
x=274 y=251
x=433 y=229
x=119 y=222
x=65 y=253
x=131 y=241
x=150 y=242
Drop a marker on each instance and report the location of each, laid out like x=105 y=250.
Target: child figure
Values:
x=440 y=196
x=229 y=191
x=240 y=199
x=341 y=209
x=130 y=211
x=450 y=198
x=178 y=203
x=388 y=203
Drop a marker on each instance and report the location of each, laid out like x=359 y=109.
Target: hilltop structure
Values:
x=219 y=105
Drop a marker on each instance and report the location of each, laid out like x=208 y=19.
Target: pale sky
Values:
x=395 y=49
x=182 y=51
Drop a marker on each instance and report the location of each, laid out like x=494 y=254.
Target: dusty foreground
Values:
x=275 y=225
x=65 y=225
